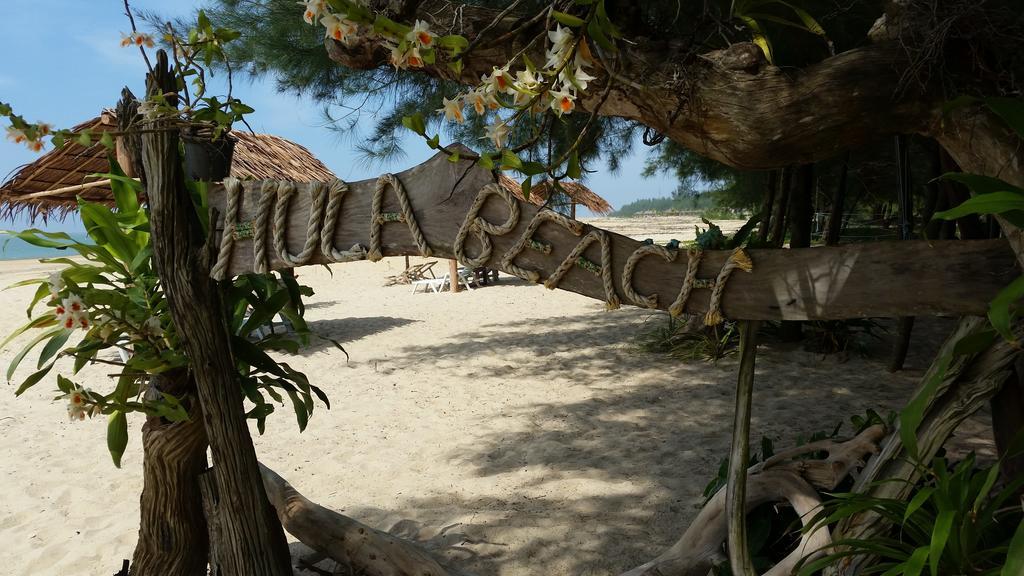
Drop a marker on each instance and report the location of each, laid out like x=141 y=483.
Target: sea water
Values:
x=18 y=249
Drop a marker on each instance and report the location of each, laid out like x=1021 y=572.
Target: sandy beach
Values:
x=519 y=430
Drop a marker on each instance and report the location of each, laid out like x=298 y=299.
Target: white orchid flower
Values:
x=420 y=35
x=452 y=109
x=498 y=132
x=313 y=10
x=499 y=81
x=562 y=101
x=339 y=28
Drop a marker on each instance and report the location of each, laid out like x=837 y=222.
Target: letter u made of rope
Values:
x=317 y=198
x=337 y=189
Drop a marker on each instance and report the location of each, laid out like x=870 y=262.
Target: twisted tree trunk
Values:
x=254 y=542
x=172 y=532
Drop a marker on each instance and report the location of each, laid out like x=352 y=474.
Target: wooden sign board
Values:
x=444 y=208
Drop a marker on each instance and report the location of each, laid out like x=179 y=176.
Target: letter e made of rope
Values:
x=482 y=228
x=378 y=217
x=648 y=301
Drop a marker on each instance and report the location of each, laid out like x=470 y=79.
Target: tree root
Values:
x=777 y=479
x=361 y=548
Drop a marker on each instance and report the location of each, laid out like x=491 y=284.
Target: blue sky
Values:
x=65 y=69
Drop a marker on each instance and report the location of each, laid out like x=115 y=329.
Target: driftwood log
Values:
x=360 y=548
x=800 y=284
x=782 y=478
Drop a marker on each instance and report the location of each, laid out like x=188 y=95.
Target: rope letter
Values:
x=378 y=218
x=627 y=273
x=482 y=228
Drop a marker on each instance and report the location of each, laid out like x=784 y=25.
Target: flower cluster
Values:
x=555 y=87
x=137 y=39
x=81 y=404
x=33 y=139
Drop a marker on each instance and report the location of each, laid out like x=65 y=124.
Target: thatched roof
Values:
x=49 y=186
x=577 y=193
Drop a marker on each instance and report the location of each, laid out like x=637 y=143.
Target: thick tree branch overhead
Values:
x=730 y=104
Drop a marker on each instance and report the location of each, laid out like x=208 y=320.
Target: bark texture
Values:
x=362 y=549
x=172 y=532
x=254 y=543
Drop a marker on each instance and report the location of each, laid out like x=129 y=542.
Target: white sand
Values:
x=526 y=416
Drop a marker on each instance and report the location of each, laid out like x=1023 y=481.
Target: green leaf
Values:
x=107 y=140
x=85 y=138
x=911 y=415
x=486 y=162
x=510 y=160
x=454 y=43
x=974 y=343
x=53 y=346
x=251 y=354
x=917 y=501
x=595 y=32
x=1015 y=554
x=574 y=170
x=415 y=123
x=915 y=564
x=33 y=379
x=980 y=184
x=117 y=436
x=940 y=535
x=454 y=158
x=301 y=415
x=999 y=313
x=991 y=203
x=28 y=347
x=567 y=19
x=1011 y=110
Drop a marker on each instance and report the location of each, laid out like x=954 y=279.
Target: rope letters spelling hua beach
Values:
x=325 y=209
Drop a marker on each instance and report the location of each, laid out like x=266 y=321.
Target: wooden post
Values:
x=739 y=455
x=254 y=543
x=834 y=228
x=766 y=207
x=903 y=230
x=453 y=275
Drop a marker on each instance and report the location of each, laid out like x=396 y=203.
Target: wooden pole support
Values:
x=453 y=275
x=739 y=455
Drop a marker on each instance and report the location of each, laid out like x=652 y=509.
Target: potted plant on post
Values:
x=206 y=119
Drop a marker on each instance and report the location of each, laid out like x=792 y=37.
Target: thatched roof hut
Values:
x=49 y=186
x=576 y=192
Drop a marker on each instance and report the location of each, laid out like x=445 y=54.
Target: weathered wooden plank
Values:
x=853 y=281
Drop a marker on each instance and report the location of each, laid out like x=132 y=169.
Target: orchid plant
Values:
x=111 y=300
x=518 y=97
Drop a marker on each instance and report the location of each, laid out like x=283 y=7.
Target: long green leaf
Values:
x=990 y=203
x=917 y=501
x=117 y=436
x=53 y=346
x=1015 y=554
x=999 y=312
x=915 y=564
x=33 y=379
x=940 y=535
x=911 y=416
x=21 y=355
x=980 y=184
